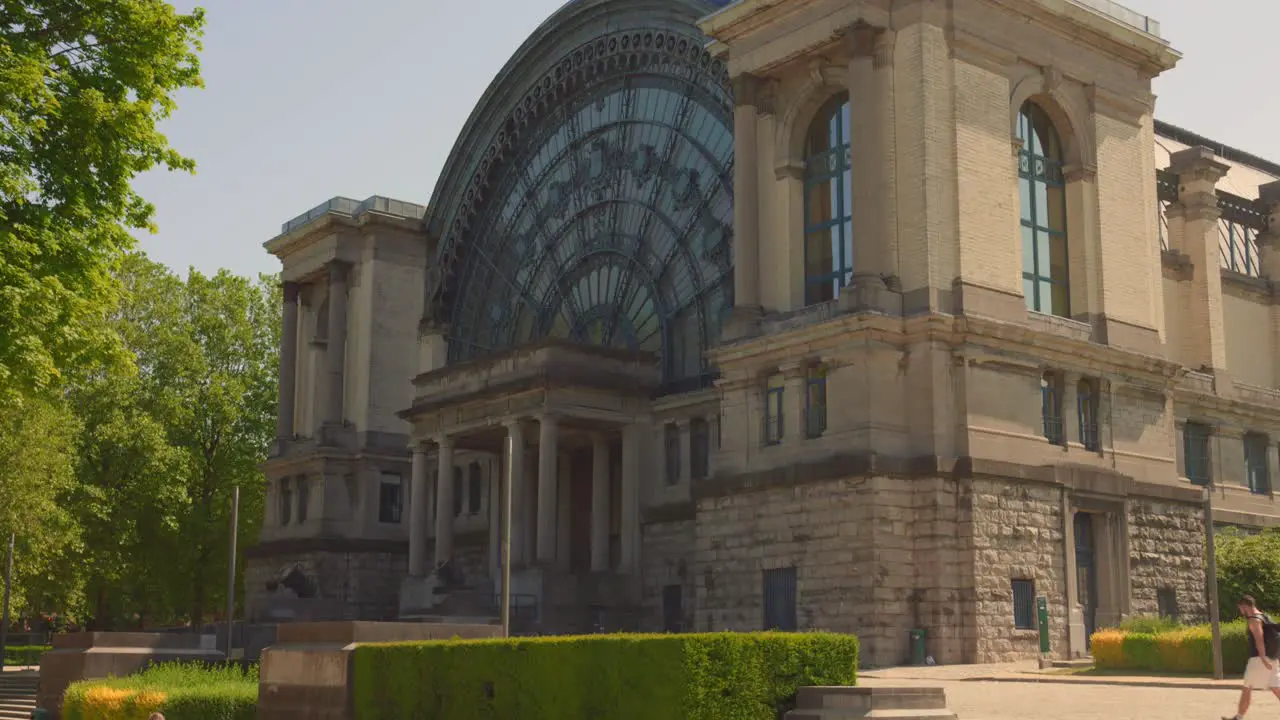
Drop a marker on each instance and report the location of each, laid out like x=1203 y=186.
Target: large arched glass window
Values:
x=828 y=203
x=1044 y=213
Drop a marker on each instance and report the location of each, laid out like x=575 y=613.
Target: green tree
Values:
x=1248 y=564
x=83 y=84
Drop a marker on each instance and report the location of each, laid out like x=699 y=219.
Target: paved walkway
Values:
x=1018 y=692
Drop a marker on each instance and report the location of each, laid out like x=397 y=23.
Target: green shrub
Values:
x=1149 y=624
x=1179 y=650
x=720 y=676
x=24 y=654
x=1247 y=565
x=179 y=691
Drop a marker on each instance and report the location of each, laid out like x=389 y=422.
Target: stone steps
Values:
x=850 y=703
x=17 y=697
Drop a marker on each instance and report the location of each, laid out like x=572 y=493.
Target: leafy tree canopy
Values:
x=1248 y=565
x=83 y=84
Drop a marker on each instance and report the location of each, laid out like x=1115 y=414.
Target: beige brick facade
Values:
x=922 y=451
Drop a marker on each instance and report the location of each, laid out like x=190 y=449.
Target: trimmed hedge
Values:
x=24 y=654
x=179 y=691
x=1183 y=650
x=716 y=676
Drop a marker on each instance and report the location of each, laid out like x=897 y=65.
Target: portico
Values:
x=565 y=423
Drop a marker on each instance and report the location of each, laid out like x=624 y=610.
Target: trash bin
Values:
x=918 y=653
x=39 y=714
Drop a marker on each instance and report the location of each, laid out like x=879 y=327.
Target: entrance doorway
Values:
x=1086 y=574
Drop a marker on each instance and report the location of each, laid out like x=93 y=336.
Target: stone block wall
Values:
x=1017 y=534
x=349 y=586
x=666 y=558
x=1166 y=550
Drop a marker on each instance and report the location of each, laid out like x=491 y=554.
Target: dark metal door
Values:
x=1086 y=574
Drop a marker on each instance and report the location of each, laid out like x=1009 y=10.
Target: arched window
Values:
x=1044 y=213
x=828 y=203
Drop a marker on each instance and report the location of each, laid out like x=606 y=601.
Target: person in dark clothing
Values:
x=1263 y=670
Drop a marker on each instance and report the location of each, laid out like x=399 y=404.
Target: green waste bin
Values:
x=918 y=653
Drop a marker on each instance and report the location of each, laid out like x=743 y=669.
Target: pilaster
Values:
x=288 y=366
x=336 y=350
x=1199 y=171
x=444 y=500
x=418 y=513
x=548 y=483
x=746 y=210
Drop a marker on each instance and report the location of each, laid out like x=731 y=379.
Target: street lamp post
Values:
x=231 y=566
x=1211 y=583
x=8 y=583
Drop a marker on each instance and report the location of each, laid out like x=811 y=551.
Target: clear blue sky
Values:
x=307 y=99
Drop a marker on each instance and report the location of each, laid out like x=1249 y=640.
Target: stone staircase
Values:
x=848 y=703
x=17 y=695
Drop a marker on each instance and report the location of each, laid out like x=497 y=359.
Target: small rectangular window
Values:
x=780 y=600
x=1256 y=448
x=1024 y=604
x=1167 y=603
x=815 y=398
x=773 y=409
x=390 y=498
x=1051 y=407
x=286 y=501
x=671 y=446
x=699 y=448
x=673 y=609
x=304 y=498
x=1195 y=443
x=1087 y=409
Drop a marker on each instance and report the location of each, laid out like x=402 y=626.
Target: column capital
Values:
x=420 y=447
x=513 y=422
x=442 y=440
x=864 y=41
x=1197 y=166
x=291 y=290
x=338 y=269
x=754 y=91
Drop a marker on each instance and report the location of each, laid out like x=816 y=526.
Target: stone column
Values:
x=335 y=353
x=599 y=503
x=444 y=499
x=547 y=486
x=630 y=531
x=288 y=364
x=515 y=462
x=495 y=518
x=746 y=207
x=418 y=513
x=1198 y=172
x=872 y=174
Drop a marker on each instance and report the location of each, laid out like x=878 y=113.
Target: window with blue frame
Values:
x=1087 y=410
x=828 y=203
x=774 y=387
x=815 y=400
x=1043 y=194
x=1256 y=447
x=1051 y=407
x=1195 y=446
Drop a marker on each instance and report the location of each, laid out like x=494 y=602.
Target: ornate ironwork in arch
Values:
x=602 y=208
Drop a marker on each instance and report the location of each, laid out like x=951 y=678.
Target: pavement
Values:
x=1020 y=691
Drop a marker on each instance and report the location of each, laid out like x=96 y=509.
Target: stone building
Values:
x=860 y=315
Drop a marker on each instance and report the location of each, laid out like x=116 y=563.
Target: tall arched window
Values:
x=1044 y=213
x=828 y=203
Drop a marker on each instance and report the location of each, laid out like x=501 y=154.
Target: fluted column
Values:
x=630 y=531
x=515 y=464
x=335 y=353
x=547 y=485
x=444 y=500
x=599 y=503
x=288 y=363
x=418 y=513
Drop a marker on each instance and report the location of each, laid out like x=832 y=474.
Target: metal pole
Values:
x=1212 y=583
x=506 y=538
x=231 y=566
x=8 y=583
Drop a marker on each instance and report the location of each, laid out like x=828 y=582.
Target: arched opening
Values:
x=1043 y=200
x=828 y=203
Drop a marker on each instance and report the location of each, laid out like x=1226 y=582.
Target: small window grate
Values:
x=780 y=600
x=1024 y=604
x=673 y=608
x=1167 y=603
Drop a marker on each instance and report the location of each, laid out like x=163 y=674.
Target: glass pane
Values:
x=1042 y=255
x=1058 y=258
x=1024 y=195
x=1061 y=300
x=1028 y=250
x=818 y=208
x=1046 y=294
x=1029 y=291
x=1041 y=203
x=817 y=256
x=1056 y=209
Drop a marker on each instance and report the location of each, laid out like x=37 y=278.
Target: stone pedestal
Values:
x=848 y=703
x=307 y=674
x=869 y=293
x=84 y=656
